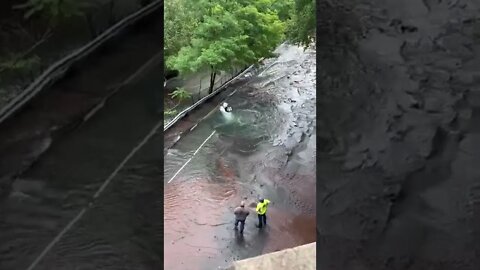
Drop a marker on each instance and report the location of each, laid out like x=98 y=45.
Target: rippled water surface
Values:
x=241 y=159
x=267 y=150
x=50 y=220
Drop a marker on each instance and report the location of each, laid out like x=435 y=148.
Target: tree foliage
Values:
x=218 y=35
x=229 y=34
x=283 y=8
x=180 y=22
x=301 y=27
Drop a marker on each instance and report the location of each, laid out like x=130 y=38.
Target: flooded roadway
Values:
x=121 y=229
x=50 y=221
x=58 y=151
x=266 y=150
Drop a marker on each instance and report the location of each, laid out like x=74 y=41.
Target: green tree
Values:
x=283 y=8
x=229 y=34
x=264 y=29
x=301 y=27
x=179 y=25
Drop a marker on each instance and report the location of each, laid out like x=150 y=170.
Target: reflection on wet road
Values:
x=264 y=150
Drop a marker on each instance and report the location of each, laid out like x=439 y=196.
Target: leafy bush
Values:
x=180 y=94
x=169 y=113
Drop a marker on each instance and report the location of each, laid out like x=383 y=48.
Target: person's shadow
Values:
x=239 y=239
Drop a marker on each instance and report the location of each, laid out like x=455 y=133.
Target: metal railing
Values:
x=59 y=68
x=203 y=95
x=202 y=89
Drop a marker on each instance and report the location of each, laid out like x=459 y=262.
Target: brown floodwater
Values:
x=266 y=149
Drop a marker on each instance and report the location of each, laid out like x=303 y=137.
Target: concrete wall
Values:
x=299 y=258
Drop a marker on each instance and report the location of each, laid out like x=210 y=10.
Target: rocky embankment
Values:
x=399 y=133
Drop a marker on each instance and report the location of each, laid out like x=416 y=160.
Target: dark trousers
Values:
x=262 y=220
x=242 y=224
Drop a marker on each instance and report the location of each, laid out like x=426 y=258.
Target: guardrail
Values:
x=205 y=98
x=56 y=70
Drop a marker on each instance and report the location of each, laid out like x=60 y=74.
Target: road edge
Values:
x=60 y=67
x=184 y=113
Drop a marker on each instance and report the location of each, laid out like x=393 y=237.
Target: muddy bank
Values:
x=399 y=87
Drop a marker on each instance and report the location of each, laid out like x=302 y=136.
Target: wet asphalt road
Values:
x=49 y=220
x=266 y=150
x=118 y=231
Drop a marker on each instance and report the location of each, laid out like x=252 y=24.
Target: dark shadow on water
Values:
x=262 y=236
x=249 y=244
x=239 y=239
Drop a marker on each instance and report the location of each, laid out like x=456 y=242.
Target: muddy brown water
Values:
x=123 y=228
x=267 y=150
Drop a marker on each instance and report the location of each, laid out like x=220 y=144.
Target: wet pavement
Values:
x=54 y=158
x=59 y=185
x=267 y=150
x=91 y=196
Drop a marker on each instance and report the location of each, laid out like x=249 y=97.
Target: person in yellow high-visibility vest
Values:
x=262 y=206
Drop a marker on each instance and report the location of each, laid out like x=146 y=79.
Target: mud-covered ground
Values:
x=399 y=134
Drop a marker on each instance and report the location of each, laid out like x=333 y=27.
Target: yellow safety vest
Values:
x=262 y=207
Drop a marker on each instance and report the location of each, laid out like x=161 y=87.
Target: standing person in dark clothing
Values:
x=262 y=206
x=240 y=216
